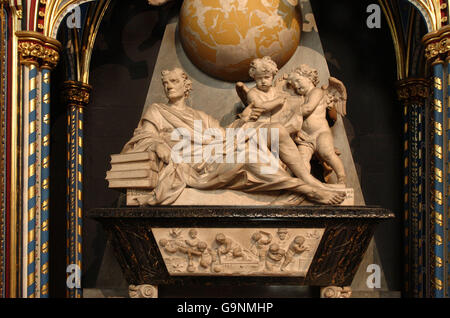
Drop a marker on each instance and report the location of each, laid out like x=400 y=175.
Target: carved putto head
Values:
x=282 y=233
x=262 y=66
x=201 y=246
x=179 y=73
x=220 y=238
x=305 y=71
x=193 y=233
x=299 y=240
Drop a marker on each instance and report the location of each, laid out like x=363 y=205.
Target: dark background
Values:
x=122 y=64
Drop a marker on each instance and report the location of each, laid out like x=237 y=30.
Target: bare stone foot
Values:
x=326 y=197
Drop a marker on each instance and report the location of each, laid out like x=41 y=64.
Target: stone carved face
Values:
x=282 y=234
x=264 y=81
x=193 y=233
x=301 y=84
x=220 y=238
x=174 y=85
x=299 y=240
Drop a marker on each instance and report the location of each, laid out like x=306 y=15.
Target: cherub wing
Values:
x=337 y=96
x=242 y=91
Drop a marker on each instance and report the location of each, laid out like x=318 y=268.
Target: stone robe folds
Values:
x=156 y=127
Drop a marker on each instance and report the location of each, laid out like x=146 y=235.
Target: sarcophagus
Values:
x=306 y=245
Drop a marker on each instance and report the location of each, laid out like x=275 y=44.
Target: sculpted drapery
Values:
x=156 y=127
x=162 y=125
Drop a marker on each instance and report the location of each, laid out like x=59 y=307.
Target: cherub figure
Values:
x=315 y=136
x=274 y=257
x=264 y=98
x=169 y=246
x=208 y=258
x=282 y=238
x=295 y=248
x=260 y=241
x=193 y=241
x=226 y=246
x=276 y=105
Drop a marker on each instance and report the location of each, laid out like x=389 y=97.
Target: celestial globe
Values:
x=222 y=37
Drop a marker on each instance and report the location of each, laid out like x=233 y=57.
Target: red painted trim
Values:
x=40 y=20
x=31 y=25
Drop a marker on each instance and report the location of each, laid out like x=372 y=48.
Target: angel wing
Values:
x=337 y=96
x=242 y=91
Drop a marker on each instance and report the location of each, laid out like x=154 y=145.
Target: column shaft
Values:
x=45 y=181
x=77 y=97
x=413 y=93
x=38 y=55
x=31 y=183
x=438 y=182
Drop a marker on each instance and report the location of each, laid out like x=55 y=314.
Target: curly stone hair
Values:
x=263 y=65
x=306 y=71
x=184 y=76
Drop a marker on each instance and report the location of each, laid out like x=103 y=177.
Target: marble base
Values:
x=136 y=235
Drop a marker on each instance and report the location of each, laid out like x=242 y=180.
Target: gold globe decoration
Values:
x=222 y=37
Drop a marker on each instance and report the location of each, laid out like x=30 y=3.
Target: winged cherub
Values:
x=315 y=136
x=272 y=102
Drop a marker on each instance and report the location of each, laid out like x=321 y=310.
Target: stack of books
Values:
x=133 y=170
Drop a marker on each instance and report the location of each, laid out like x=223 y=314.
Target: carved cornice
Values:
x=35 y=48
x=76 y=93
x=437 y=44
x=413 y=89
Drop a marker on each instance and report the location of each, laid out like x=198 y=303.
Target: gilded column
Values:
x=437 y=48
x=38 y=55
x=31 y=193
x=76 y=96
x=48 y=63
x=447 y=61
x=413 y=92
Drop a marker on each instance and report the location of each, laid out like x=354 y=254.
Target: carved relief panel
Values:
x=237 y=251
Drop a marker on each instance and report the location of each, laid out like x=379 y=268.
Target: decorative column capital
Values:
x=35 y=48
x=437 y=44
x=411 y=89
x=76 y=93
